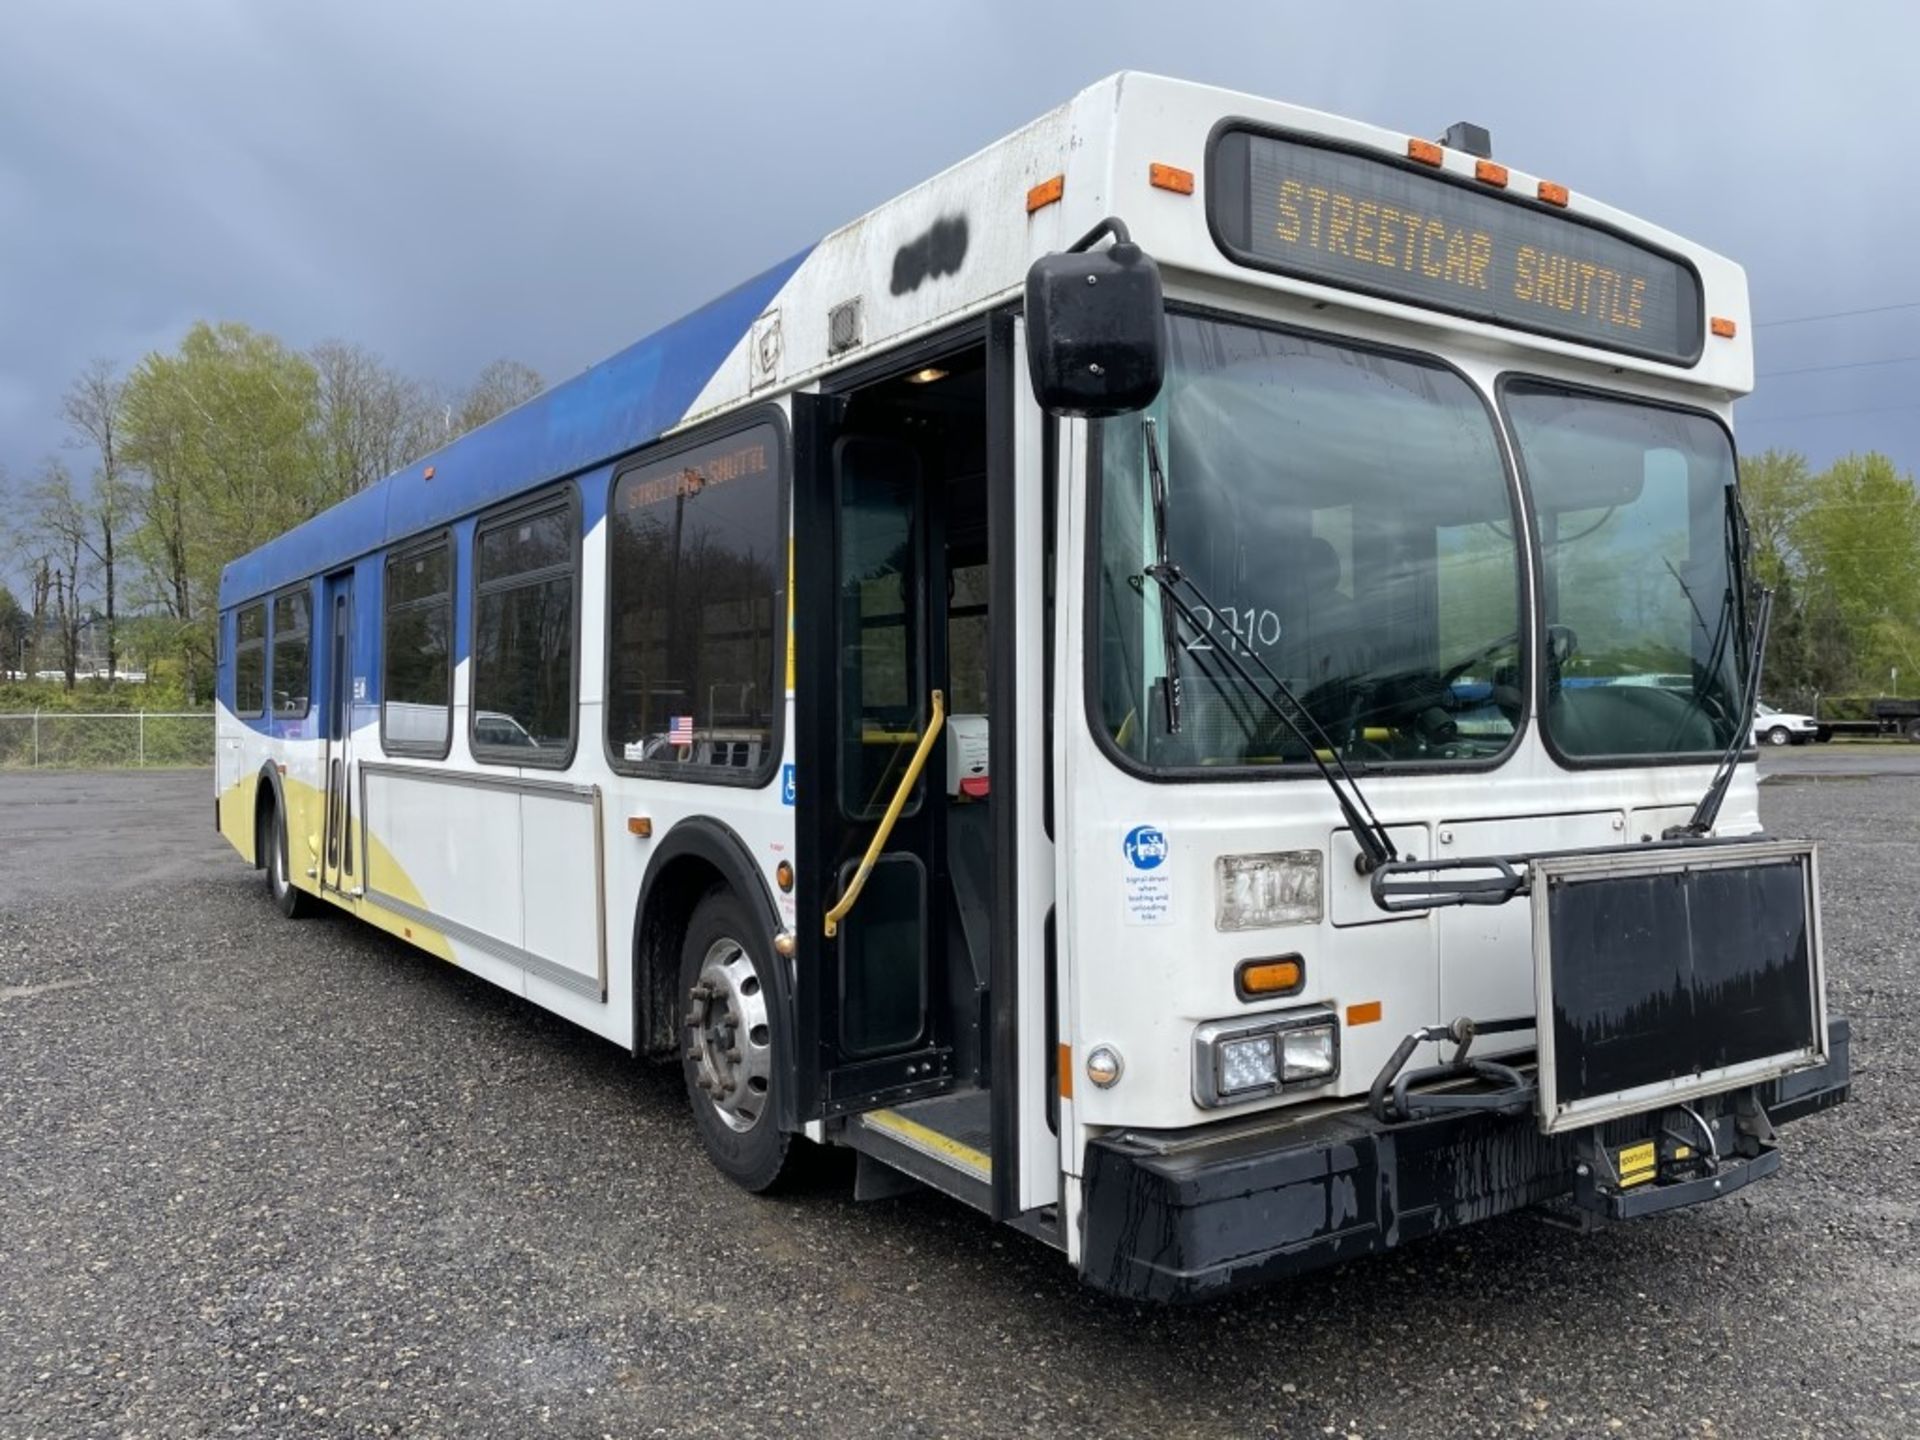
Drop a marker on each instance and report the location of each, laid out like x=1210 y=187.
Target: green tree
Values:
x=224 y=432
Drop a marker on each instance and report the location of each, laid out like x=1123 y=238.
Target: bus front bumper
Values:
x=1192 y=1217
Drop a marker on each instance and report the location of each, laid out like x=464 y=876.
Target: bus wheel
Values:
x=727 y=1055
x=294 y=902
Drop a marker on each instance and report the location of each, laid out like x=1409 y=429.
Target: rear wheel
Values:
x=727 y=1051
x=1779 y=735
x=294 y=902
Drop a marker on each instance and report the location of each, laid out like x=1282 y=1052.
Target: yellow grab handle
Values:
x=885 y=831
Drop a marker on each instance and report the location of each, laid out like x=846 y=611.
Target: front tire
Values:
x=728 y=1053
x=292 y=901
x=1779 y=735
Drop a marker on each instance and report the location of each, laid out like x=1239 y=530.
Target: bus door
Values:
x=337 y=860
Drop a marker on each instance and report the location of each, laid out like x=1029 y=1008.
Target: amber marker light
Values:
x=1063 y=1061
x=1425 y=151
x=1170 y=177
x=641 y=825
x=1724 y=328
x=1365 y=1013
x=1258 y=979
x=1487 y=172
x=1046 y=193
x=783 y=874
x=1553 y=194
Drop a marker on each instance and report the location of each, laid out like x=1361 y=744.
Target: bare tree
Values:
x=372 y=421
x=58 y=527
x=92 y=411
x=499 y=387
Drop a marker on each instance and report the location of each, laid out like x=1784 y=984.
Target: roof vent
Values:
x=1474 y=139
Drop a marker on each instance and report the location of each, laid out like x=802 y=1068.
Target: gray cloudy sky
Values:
x=448 y=182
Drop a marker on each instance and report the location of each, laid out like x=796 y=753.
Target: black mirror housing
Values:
x=1096 y=328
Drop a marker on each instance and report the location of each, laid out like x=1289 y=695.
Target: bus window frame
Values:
x=1525 y=556
x=565 y=498
x=406 y=549
x=303 y=589
x=737 y=422
x=1427 y=172
x=1536 y=562
x=240 y=647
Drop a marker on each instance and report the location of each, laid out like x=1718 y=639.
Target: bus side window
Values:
x=696 y=611
x=250 y=662
x=417 y=699
x=292 y=655
x=523 y=635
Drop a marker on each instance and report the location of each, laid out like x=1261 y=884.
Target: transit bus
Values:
x=1120 y=686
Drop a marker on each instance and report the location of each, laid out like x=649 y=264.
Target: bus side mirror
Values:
x=1096 y=327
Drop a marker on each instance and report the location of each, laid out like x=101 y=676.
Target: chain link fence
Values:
x=54 y=739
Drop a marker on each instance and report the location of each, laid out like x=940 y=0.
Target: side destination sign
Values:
x=1367 y=223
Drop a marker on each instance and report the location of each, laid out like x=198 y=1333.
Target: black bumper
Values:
x=1191 y=1222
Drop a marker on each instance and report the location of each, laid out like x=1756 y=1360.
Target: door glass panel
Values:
x=880 y=685
x=882 y=972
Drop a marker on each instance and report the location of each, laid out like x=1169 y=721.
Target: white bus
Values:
x=1117 y=687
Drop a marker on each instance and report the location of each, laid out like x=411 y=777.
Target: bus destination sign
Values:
x=1363 y=223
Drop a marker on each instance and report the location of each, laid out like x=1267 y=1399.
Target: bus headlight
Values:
x=1246 y=1059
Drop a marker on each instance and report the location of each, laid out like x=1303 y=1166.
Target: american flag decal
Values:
x=680 y=730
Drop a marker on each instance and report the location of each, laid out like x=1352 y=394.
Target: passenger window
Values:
x=697 y=567
x=250 y=662
x=417 y=704
x=523 y=638
x=292 y=655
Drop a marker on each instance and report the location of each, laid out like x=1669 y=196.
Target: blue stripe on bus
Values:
x=619 y=405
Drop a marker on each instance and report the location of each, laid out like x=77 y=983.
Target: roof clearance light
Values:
x=1553 y=194
x=1724 y=328
x=1488 y=172
x=1046 y=193
x=1170 y=177
x=1425 y=151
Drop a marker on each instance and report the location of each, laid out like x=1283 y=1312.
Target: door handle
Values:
x=884 y=831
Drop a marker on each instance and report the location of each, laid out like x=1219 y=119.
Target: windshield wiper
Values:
x=1708 y=810
x=1376 y=845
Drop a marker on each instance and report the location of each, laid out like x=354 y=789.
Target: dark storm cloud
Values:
x=446 y=183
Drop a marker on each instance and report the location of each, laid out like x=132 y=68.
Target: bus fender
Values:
x=655 y=1003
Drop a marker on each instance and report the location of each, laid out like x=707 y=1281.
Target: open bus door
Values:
x=906 y=1006
x=337 y=859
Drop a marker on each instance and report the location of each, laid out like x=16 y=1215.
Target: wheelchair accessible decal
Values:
x=1147 y=882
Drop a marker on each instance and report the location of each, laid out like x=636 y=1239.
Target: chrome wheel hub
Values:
x=729 y=1036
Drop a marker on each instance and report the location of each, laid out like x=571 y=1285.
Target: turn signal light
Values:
x=1258 y=979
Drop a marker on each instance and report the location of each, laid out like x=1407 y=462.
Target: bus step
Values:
x=942 y=1142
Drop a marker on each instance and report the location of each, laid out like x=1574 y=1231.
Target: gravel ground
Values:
x=270 y=1178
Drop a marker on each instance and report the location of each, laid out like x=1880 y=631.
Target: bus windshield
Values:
x=1638 y=573
x=1348 y=514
